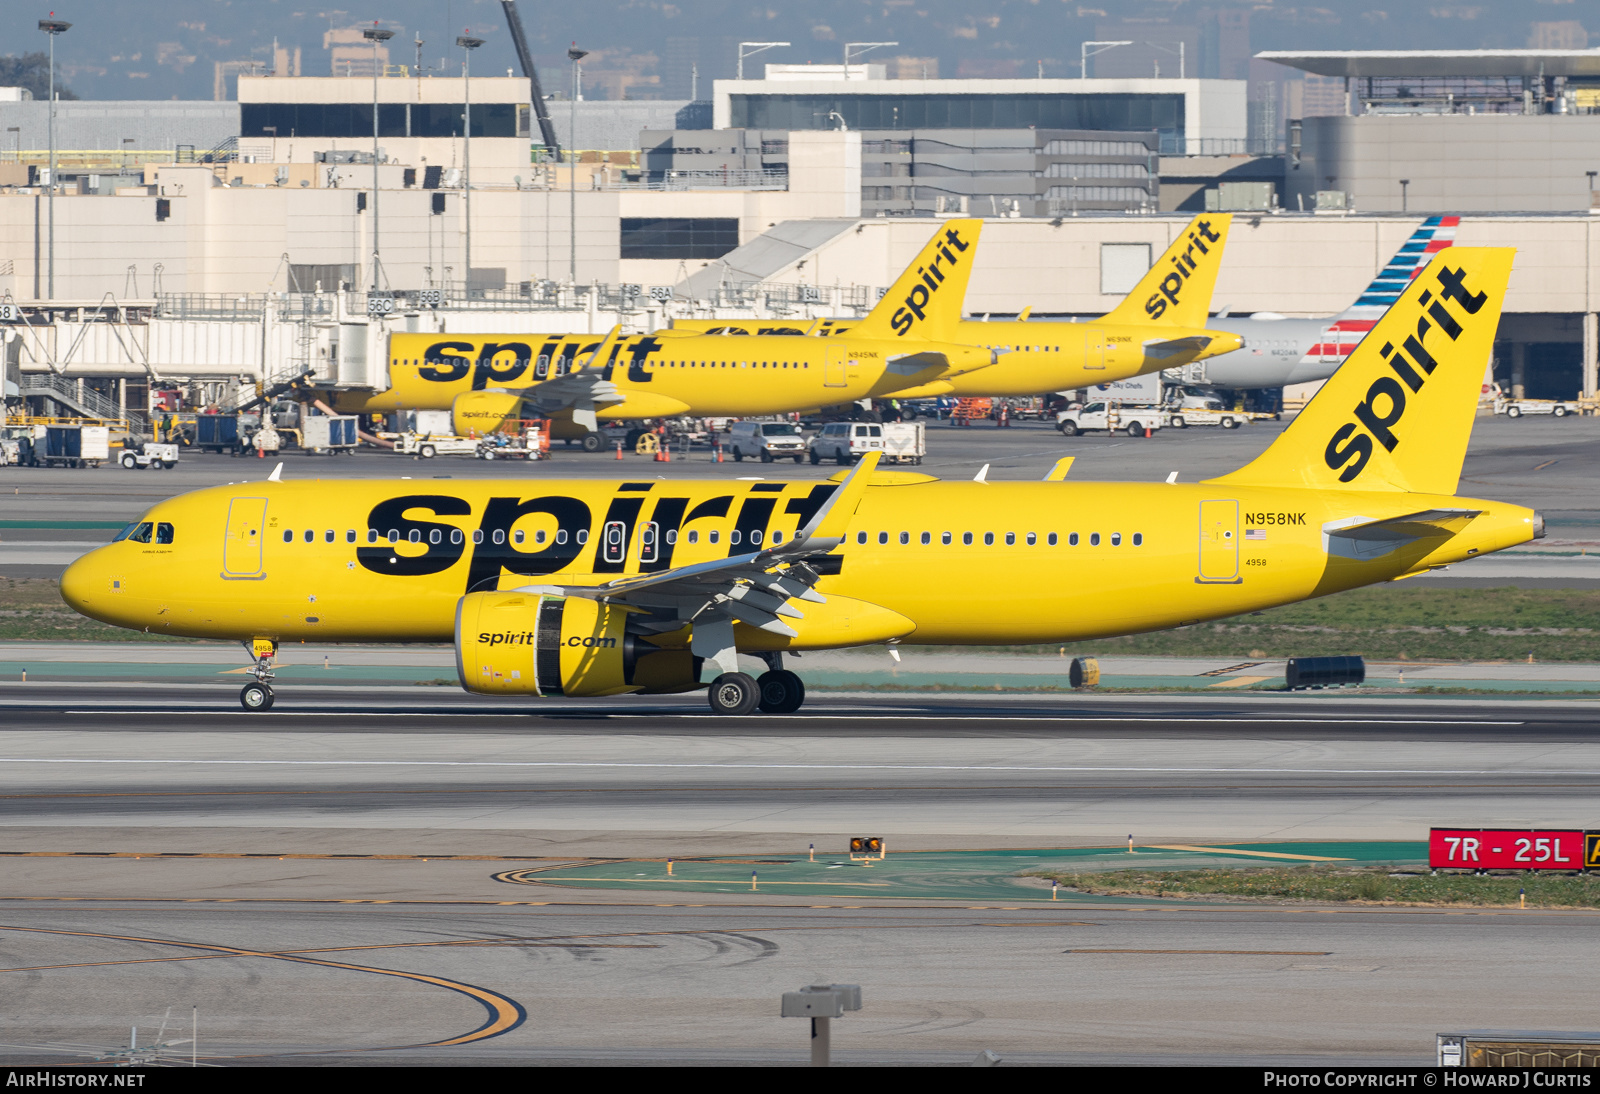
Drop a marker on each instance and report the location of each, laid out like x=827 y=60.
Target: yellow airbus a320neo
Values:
x=1160 y=324
x=485 y=380
x=587 y=588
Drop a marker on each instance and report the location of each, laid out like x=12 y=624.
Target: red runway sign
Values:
x=1505 y=849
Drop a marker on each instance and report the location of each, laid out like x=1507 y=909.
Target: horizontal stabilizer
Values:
x=1375 y=538
x=1162 y=349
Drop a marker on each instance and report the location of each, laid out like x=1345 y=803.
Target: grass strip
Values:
x=1331 y=884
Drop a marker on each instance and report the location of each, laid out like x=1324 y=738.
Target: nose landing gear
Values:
x=257 y=695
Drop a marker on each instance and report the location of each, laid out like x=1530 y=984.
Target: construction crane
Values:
x=520 y=40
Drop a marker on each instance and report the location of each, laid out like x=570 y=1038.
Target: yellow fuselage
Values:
x=1037 y=358
x=661 y=375
x=923 y=561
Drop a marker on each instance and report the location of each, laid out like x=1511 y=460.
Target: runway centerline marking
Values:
x=1068 y=716
x=611 y=764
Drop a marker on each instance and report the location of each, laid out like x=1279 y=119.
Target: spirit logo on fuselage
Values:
x=1351 y=446
x=626 y=533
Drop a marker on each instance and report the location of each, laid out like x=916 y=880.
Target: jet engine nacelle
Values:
x=525 y=643
x=483 y=412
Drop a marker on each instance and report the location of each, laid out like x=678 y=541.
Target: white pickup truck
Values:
x=1132 y=419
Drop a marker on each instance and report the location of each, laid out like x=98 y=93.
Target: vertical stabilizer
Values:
x=924 y=304
x=1176 y=292
x=1398 y=414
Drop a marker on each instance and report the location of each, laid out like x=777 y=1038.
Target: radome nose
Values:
x=78 y=583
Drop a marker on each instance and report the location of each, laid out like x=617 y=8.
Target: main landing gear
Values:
x=257 y=695
x=777 y=691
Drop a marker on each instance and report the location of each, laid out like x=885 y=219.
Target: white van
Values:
x=846 y=442
x=768 y=440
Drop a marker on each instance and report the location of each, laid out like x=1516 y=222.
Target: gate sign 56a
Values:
x=1507 y=849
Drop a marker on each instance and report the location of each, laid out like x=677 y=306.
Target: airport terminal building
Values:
x=290 y=242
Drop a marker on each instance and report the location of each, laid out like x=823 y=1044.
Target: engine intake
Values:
x=519 y=643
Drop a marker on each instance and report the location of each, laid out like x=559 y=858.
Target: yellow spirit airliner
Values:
x=903 y=342
x=1161 y=324
x=586 y=588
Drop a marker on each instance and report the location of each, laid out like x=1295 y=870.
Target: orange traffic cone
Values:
x=619 y=450
x=666 y=454
x=1147 y=433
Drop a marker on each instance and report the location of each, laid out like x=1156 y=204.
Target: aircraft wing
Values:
x=1373 y=538
x=571 y=390
x=754 y=588
x=580 y=389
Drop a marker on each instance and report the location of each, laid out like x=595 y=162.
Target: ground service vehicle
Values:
x=217 y=433
x=845 y=442
x=426 y=446
x=579 y=381
x=588 y=588
x=1516 y=408
x=1160 y=324
x=767 y=440
x=1132 y=419
x=70 y=445
x=160 y=457
x=321 y=433
x=904 y=442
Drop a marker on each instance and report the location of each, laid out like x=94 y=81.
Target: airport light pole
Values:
x=1404 y=184
x=377 y=37
x=52 y=27
x=467 y=46
x=574 y=54
x=1099 y=47
x=750 y=49
x=858 y=48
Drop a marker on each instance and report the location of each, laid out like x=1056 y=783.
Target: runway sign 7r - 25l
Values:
x=1509 y=849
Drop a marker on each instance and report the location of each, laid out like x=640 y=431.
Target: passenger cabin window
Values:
x=1094 y=539
x=288 y=537
x=966 y=539
x=1138 y=539
x=1072 y=540
x=310 y=536
x=327 y=537
x=944 y=538
x=350 y=535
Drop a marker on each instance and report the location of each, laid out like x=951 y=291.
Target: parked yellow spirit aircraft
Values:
x=904 y=342
x=1160 y=324
x=588 y=588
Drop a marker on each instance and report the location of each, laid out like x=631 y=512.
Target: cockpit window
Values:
x=141 y=534
x=163 y=532
x=125 y=533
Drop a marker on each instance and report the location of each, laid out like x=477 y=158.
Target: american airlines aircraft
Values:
x=1279 y=351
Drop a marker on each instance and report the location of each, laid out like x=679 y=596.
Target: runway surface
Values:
x=331 y=877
